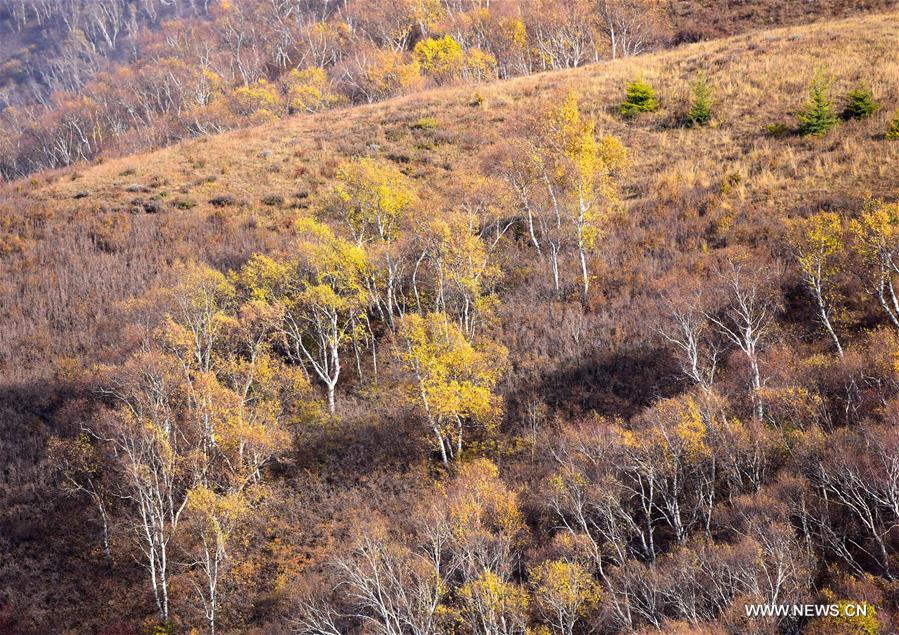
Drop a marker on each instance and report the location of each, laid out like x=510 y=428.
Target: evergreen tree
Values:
x=859 y=103
x=892 y=132
x=701 y=110
x=817 y=117
x=639 y=97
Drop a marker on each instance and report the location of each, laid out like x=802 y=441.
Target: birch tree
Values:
x=565 y=593
x=147 y=437
x=630 y=26
x=214 y=519
x=84 y=470
x=374 y=201
x=327 y=302
x=578 y=171
x=463 y=271
x=453 y=379
x=876 y=237
x=818 y=244
x=746 y=320
x=691 y=335
x=195 y=415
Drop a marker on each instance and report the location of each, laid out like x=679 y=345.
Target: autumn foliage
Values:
x=486 y=358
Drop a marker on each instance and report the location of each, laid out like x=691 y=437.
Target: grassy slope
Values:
x=68 y=260
x=705 y=187
x=719 y=19
x=759 y=79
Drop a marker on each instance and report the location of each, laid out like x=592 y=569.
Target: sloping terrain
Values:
x=81 y=79
x=76 y=244
x=56 y=222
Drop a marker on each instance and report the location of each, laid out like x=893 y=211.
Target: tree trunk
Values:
x=554 y=258
x=585 y=274
x=442 y=447
x=756 y=387
x=826 y=320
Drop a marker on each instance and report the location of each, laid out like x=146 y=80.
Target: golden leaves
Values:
x=565 y=587
x=818 y=240
x=373 y=198
x=877 y=229
x=456 y=378
x=441 y=57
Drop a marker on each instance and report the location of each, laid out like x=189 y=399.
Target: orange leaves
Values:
x=478 y=501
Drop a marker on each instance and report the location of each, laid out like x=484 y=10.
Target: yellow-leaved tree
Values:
x=584 y=167
x=441 y=58
x=259 y=100
x=444 y=60
x=214 y=518
x=197 y=413
x=235 y=395
x=486 y=531
x=453 y=378
x=374 y=199
x=462 y=269
x=876 y=237
x=671 y=455
x=497 y=605
x=818 y=242
x=578 y=171
x=321 y=299
x=309 y=90
x=565 y=593
x=382 y=73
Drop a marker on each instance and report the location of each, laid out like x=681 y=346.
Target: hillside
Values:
x=82 y=79
x=89 y=256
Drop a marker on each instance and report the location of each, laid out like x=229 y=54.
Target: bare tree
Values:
x=747 y=319
x=690 y=334
x=631 y=26
x=860 y=471
x=393 y=590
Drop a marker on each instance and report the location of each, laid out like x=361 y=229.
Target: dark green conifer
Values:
x=859 y=103
x=639 y=97
x=817 y=117
x=892 y=132
x=701 y=110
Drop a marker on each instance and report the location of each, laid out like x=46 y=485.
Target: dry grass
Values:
x=758 y=79
x=743 y=177
x=75 y=242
